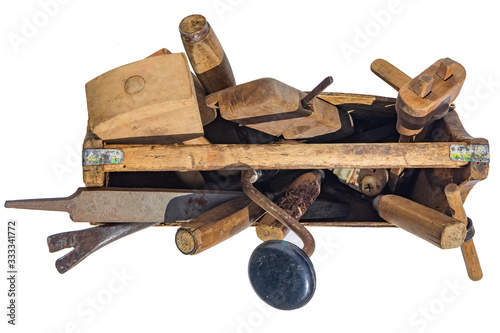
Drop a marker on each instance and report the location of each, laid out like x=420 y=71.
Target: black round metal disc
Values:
x=282 y=275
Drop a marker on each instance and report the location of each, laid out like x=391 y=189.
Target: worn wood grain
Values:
x=151 y=98
x=469 y=253
x=207 y=114
x=429 y=185
x=283 y=156
x=389 y=73
x=93 y=175
x=205 y=53
x=428 y=96
x=438 y=229
x=217 y=225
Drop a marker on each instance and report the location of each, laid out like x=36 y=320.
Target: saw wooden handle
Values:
x=439 y=229
x=217 y=225
x=468 y=248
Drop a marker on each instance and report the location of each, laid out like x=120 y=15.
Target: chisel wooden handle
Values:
x=469 y=253
x=217 y=225
x=436 y=228
x=206 y=55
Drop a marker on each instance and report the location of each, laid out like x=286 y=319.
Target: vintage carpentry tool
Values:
x=87 y=241
x=105 y=205
x=425 y=98
x=296 y=199
x=280 y=272
x=207 y=114
x=469 y=253
x=205 y=53
x=273 y=107
x=153 y=100
x=150 y=125
x=216 y=225
x=439 y=229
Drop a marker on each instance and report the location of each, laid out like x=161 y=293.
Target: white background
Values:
x=369 y=280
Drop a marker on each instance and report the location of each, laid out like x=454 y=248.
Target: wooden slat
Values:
x=283 y=156
x=354 y=224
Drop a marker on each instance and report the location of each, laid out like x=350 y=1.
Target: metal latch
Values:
x=102 y=156
x=470 y=153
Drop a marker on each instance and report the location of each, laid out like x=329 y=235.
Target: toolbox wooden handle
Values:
x=439 y=229
x=217 y=225
x=468 y=248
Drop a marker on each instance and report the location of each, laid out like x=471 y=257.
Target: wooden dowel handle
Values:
x=469 y=253
x=217 y=225
x=454 y=198
x=389 y=73
x=471 y=260
x=436 y=228
x=205 y=53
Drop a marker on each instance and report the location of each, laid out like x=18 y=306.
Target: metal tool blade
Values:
x=104 y=205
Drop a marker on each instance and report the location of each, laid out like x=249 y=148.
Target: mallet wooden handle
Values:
x=217 y=225
x=469 y=253
x=205 y=53
x=439 y=229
